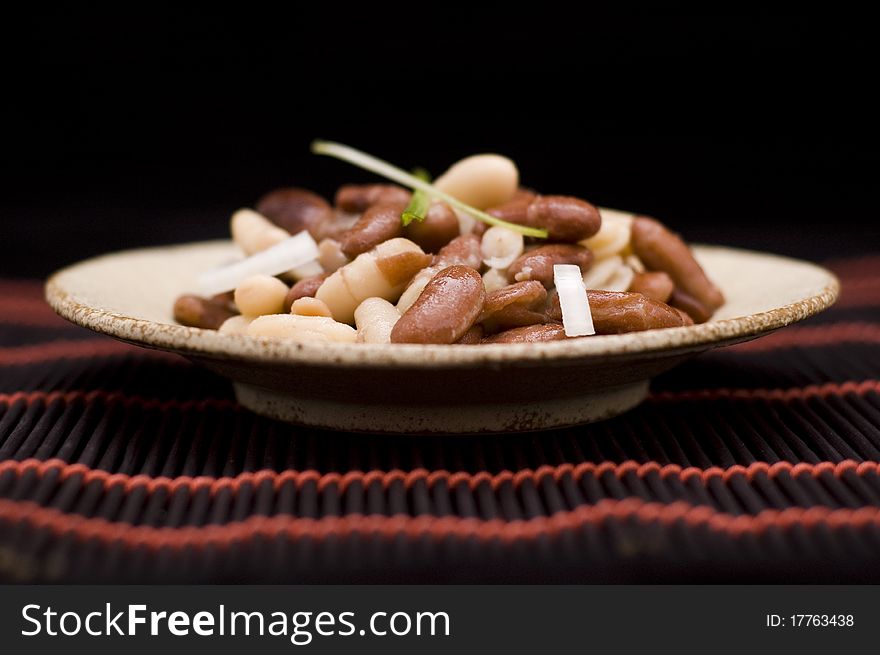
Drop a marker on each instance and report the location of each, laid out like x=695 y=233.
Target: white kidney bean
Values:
x=500 y=247
x=310 y=307
x=375 y=318
x=260 y=294
x=307 y=270
x=415 y=288
x=235 y=325
x=382 y=272
x=330 y=255
x=481 y=181
x=253 y=232
x=302 y=328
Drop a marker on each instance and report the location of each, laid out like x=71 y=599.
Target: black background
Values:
x=131 y=128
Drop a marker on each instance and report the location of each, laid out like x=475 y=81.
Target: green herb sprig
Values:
x=391 y=172
x=419 y=204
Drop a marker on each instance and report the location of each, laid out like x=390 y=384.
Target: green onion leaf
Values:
x=417 y=209
x=391 y=172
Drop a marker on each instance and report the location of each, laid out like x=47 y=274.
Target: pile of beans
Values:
x=450 y=279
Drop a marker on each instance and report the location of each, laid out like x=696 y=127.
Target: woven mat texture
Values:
x=759 y=462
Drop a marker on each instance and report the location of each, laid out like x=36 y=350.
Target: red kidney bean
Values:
x=306 y=288
x=529 y=334
x=472 y=337
x=438 y=229
x=377 y=224
x=538 y=264
x=360 y=197
x=690 y=306
x=662 y=250
x=446 y=309
x=515 y=305
x=195 y=311
x=295 y=210
x=657 y=285
x=463 y=251
x=616 y=312
x=566 y=218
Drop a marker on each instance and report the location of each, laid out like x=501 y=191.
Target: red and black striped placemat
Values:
x=757 y=462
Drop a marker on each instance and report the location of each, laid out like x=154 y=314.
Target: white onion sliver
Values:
x=466 y=222
x=499 y=262
x=634 y=263
x=612 y=237
x=576 y=316
x=494 y=279
x=602 y=271
x=500 y=247
x=290 y=253
x=621 y=279
x=614 y=214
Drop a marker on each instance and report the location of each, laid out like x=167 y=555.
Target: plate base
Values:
x=443 y=419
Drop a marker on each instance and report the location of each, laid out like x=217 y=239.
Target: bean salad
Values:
x=472 y=258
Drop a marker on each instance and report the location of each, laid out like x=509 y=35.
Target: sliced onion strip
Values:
x=612 y=238
x=601 y=272
x=621 y=279
x=576 y=316
x=500 y=247
x=280 y=258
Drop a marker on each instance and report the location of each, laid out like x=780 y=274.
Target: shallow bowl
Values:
x=430 y=389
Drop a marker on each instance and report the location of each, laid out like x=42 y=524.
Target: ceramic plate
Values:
x=423 y=389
